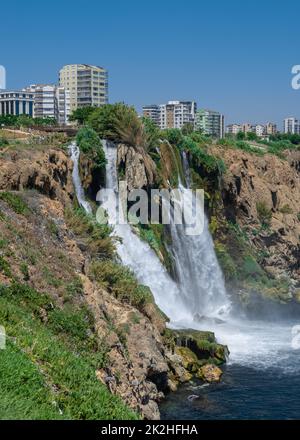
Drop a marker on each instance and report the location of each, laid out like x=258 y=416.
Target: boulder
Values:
x=210 y=373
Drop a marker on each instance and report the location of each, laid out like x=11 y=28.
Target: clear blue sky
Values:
x=232 y=56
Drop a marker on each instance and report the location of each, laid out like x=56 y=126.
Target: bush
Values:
x=96 y=237
x=211 y=163
x=89 y=144
x=264 y=214
x=3 y=142
x=119 y=123
x=121 y=282
x=286 y=209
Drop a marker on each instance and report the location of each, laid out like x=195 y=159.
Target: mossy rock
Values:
x=203 y=344
x=189 y=359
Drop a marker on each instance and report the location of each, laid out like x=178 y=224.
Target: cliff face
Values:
x=262 y=195
x=41 y=248
x=47 y=171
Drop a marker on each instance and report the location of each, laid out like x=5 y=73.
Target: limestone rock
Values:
x=210 y=373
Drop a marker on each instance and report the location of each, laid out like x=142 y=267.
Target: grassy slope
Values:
x=48 y=369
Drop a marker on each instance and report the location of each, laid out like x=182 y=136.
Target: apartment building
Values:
x=271 y=128
x=233 y=129
x=88 y=85
x=210 y=122
x=173 y=114
x=18 y=102
x=152 y=112
x=260 y=130
x=291 y=126
x=51 y=101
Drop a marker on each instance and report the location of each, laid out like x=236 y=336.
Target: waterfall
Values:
x=200 y=289
x=75 y=154
x=138 y=256
x=200 y=277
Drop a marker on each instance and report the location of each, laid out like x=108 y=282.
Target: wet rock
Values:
x=210 y=373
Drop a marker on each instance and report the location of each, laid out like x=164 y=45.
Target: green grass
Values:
x=47 y=370
x=121 y=282
x=15 y=202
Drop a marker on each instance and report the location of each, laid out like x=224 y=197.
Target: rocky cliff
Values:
x=46 y=246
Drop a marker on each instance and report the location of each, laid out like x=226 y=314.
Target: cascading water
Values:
x=138 y=255
x=200 y=289
x=75 y=153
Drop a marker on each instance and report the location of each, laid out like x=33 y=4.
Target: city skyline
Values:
x=214 y=57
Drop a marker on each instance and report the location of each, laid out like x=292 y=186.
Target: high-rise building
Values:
x=271 y=128
x=259 y=130
x=174 y=114
x=18 y=102
x=88 y=85
x=152 y=112
x=51 y=101
x=291 y=126
x=210 y=122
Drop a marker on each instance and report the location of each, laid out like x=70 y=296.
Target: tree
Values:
x=240 y=136
x=152 y=132
x=251 y=136
x=119 y=123
x=82 y=114
x=187 y=128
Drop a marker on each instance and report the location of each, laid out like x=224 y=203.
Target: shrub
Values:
x=121 y=282
x=95 y=236
x=120 y=123
x=264 y=213
x=202 y=158
x=15 y=202
x=286 y=209
x=3 y=142
x=89 y=143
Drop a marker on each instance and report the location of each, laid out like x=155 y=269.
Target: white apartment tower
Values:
x=88 y=85
x=175 y=114
x=291 y=126
x=51 y=101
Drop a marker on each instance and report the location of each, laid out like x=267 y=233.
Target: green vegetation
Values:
x=25 y=121
x=121 y=282
x=96 y=237
x=158 y=239
x=3 y=142
x=276 y=144
x=119 y=123
x=286 y=209
x=89 y=144
x=81 y=115
x=264 y=213
x=15 y=202
x=48 y=369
